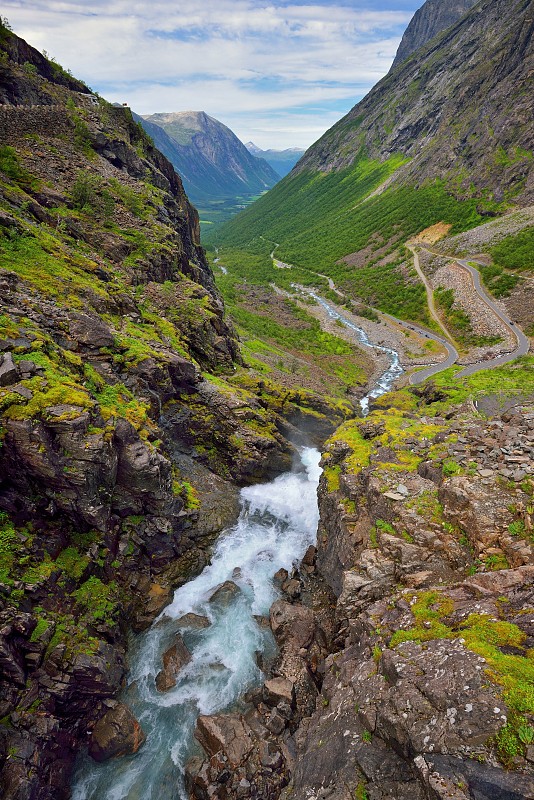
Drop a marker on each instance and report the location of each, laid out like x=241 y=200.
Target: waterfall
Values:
x=277 y=523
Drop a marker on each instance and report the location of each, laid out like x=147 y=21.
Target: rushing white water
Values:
x=388 y=378
x=277 y=524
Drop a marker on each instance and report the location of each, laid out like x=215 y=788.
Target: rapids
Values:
x=277 y=523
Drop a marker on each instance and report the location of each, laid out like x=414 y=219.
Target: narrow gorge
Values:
x=267 y=526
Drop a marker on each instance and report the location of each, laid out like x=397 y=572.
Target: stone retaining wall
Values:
x=19 y=121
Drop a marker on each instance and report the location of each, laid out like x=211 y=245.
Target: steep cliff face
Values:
x=209 y=157
x=432 y=18
x=447 y=136
x=426 y=540
x=449 y=109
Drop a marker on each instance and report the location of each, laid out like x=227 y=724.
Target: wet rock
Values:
x=225 y=594
x=278 y=690
x=174 y=660
x=310 y=556
x=195 y=622
x=150 y=605
x=292 y=588
x=292 y=625
x=280 y=577
x=117 y=733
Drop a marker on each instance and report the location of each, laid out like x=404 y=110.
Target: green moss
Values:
x=8 y=547
x=332 y=477
x=97 y=600
x=485 y=636
x=360 y=792
x=39 y=572
x=72 y=562
x=386 y=527
x=42 y=626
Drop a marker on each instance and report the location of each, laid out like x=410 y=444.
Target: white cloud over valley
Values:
x=279 y=74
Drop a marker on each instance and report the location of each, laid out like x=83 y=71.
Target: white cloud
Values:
x=231 y=58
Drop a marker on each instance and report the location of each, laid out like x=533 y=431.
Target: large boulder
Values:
x=293 y=626
x=117 y=733
x=225 y=593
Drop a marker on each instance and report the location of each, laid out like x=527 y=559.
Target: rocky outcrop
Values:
x=174 y=659
x=112 y=424
x=433 y=17
x=426 y=106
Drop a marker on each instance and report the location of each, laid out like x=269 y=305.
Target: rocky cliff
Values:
x=448 y=109
x=119 y=430
x=405 y=664
x=208 y=156
x=447 y=136
x=432 y=18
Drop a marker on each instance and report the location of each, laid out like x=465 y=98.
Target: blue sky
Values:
x=277 y=73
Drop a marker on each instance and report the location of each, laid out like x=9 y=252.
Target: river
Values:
x=385 y=381
x=277 y=523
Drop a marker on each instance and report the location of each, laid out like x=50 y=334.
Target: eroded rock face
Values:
x=225 y=734
x=117 y=733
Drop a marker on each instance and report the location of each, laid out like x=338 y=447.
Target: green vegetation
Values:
x=11 y=167
x=499 y=282
x=320 y=218
x=8 y=546
x=277 y=334
x=458 y=322
x=98 y=600
x=485 y=636
x=515 y=252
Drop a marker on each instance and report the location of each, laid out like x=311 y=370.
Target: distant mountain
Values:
x=432 y=18
x=209 y=157
x=282 y=161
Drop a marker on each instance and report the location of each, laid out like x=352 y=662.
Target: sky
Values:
x=277 y=73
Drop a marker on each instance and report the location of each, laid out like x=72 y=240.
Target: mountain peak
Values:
x=212 y=161
x=433 y=17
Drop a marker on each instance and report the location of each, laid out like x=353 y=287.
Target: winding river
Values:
x=385 y=382
x=277 y=523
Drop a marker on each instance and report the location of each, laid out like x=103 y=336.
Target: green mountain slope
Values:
x=447 y=136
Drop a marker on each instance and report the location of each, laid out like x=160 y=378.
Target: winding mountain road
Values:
x=429 y=293
x=447 y=341
x=523 y=343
